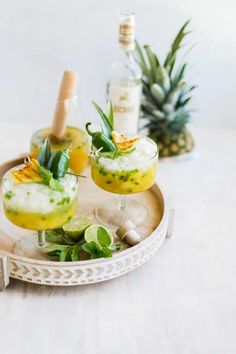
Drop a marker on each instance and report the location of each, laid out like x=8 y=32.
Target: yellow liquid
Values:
x=74 y=136
x=123 y=182
x=38 y=221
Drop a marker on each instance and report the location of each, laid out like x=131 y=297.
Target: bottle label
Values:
x=127 y=29
x=126 y=106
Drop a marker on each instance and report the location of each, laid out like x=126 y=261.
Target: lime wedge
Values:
x=76 y=226
x=99 y=234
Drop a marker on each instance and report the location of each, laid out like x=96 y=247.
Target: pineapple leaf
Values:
x=148 y=95
x=163 y=78
x=166 y=94
x=183 y=103
x=176 y=45
x=158 y=93
x=180 y=121
x=179 y=75
x=142 y=62
x=158 y=114
x=192 y=88
x=171 y=66
x=105 y=123
x=148 y=106
x=110 y=114
x=154 y=63
x=175 y=93
x=184 y=94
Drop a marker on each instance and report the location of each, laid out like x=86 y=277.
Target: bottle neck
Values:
x=127 y=44
x=127 y=32
x=127 y=53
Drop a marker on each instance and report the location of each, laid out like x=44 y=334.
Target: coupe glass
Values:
x=128 y=174
x=35 y=206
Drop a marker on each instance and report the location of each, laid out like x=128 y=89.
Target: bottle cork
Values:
x=66 y=92
x=132 y=237
x=127 y=232
x=123 y=228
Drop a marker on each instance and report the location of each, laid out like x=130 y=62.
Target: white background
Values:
x=39 y=39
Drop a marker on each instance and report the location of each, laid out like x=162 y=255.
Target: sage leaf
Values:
x=103 y=237
x=63 y=255
x=75 y=253
x=106 y=252
x=68 y=240
x=54 y=253
x=54 y=237
x=45 y=153
x=91 y=247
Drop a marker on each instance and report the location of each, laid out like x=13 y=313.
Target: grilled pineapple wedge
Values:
x=121 y=142
x=28 y=174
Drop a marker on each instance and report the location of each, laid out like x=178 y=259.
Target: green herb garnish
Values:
x=106 y=120
x=45 y=153
x=49 y=180
x=102 y=140
x=53 y=165
x=8 y=195
x=64 y=248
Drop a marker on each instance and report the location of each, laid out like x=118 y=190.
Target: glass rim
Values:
x=3 y=182
x=156 y=154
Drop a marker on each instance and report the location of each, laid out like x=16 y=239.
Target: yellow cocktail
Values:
x=74 y=136
x=123 y=182
x=125 y=174
x=35 y=206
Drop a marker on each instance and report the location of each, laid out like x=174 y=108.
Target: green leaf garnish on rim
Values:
x=104 y=140
x=54 y=165
x=106 y=121
x=45 y=153
x=49 y=180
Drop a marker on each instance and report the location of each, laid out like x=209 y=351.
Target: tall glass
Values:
x=35 y=206
x=43 y=112
x=125 y=175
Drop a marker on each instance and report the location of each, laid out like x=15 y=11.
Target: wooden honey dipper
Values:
x=66 y=92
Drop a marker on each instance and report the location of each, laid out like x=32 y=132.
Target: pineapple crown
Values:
x=166 y=94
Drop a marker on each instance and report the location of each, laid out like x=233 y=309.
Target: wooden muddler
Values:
x=66 y=92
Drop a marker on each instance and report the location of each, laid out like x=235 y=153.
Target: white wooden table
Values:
x=183 y=301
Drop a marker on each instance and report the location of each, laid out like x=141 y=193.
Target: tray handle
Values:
x=170 y=223
x=4 y=271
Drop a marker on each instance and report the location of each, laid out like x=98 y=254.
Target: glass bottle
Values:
x=124 y=87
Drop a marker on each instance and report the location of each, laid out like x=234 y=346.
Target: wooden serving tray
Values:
x=157 y=226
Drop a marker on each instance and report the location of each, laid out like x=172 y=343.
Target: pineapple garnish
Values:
x=28 y=174
x=121 y=142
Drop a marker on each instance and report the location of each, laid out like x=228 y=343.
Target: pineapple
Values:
x=121 y=142
x=28 y=174
x=166 y=96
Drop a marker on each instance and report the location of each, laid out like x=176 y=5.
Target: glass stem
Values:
x=41 y=238
x=122 y=202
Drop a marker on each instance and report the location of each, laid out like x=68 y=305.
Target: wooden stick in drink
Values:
x=66 y=92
